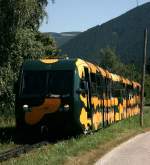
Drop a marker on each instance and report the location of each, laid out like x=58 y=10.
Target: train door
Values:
x=105 y=106
x=108 y=101
x=87 y=79
x=85 y=98
x=100 y=98
x=104 y=101
x=100 y=89
x=93 y=99
x=110 y=109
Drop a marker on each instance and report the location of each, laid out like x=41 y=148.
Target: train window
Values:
x=136 y=91
x=93 y=77
x=109 y=88
x=86 y=74
x=116 y=93
x=98 y=84
x=60 y=82
x=83 y=84
x=98 y=80
x=101 y=85
x=130 y=91
x=93 y=83
x=117 y=89
x=34 y=82
x=47 y=82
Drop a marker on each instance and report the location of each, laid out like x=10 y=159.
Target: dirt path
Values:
x=135 y=151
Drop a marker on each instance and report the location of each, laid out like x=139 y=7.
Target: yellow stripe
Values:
x=37 y=113
x=49 y=61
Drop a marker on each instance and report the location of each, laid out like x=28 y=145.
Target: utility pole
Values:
x=143 y=77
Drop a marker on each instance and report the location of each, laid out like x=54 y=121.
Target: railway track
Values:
x=17 y=151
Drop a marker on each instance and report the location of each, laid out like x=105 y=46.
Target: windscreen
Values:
x=47 y=82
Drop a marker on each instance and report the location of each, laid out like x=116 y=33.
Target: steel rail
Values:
x=17 y=151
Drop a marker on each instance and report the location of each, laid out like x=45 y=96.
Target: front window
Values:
x=34 y=82
x=47 y=82
x=60 y=82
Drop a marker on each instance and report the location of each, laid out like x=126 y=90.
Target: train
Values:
x=71 y=96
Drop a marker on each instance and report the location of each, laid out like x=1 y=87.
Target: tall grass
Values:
x=7 y=121
x=7 y=127
x=85 y=149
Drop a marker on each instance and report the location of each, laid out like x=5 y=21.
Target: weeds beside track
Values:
x=87 y=149
x=17 y=151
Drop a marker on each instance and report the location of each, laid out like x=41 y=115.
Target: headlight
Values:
x=26 y=108
x=65 y=108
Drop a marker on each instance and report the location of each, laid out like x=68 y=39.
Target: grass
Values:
x=85 y=149
x=7 y=127
x=7 y=121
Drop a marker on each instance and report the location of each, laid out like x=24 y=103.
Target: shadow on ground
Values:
x=9 y=134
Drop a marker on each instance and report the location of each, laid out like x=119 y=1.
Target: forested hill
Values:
x=124 y=33
x=62 y=38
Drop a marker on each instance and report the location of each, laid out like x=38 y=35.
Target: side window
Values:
x=98 y=84
x=129 y=91
x=93 y=83
x=109 y=88
x=101 y=85
x=81 y=84
x=117 y=89
x=86 y=74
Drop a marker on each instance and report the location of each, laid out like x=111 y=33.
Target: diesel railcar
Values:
x=72 y=96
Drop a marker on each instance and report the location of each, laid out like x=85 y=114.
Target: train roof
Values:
x=67 y=63
x=49 y=64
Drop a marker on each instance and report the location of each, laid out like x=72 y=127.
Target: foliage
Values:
x=110 y=61
x=62 y=38
x=6 y=90
x=20 y=40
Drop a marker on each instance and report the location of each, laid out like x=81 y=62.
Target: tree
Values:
x=20 y=39
x=109 y=59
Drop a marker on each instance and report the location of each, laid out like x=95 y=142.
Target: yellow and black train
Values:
x=72 y=96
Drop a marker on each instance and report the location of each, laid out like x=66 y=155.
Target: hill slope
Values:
x=62 y=38
x=124 y=33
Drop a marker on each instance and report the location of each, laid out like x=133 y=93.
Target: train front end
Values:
x=44 y=97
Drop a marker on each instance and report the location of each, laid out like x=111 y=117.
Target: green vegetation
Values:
x=7 y=122
x=85 y=149
x=20 y=39
x=7 y=128
x=111 y=61
x=62 y=38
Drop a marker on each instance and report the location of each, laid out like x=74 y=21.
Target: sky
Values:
x=80 y=15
